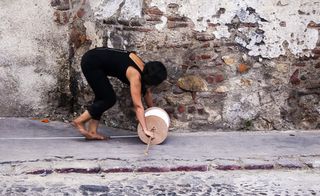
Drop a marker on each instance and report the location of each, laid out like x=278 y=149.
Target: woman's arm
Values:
x=135 y=89
x=148 y=98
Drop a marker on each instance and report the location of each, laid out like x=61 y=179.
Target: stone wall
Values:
x=232 y=64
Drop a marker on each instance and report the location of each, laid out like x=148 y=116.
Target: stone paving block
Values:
x=170 y=165
x=76 y=166
x=94 y=188
x=290 y=163
x=152 y=169
x=41 y=168
x=251 y=164
x=153 y=165
x=6 y=169
x=311 y=162
x=189 y=165
x=226 y=164
x=115 y=166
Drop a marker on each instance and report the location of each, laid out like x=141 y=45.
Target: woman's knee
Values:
x=108 y=102
x=100 y=106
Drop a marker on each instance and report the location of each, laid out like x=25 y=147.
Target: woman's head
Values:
x=154 y=73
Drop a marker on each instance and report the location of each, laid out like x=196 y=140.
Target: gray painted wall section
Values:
x=31 y=44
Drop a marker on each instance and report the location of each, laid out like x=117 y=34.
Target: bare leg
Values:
x=93 y=127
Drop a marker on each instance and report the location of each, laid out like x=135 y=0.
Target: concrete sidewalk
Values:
x=31 y=146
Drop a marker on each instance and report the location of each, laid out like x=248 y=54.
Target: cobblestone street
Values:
x=51 y=160
x=254 y=182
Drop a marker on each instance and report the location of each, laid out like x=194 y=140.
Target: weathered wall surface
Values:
x=247 y=64
x=31 y=45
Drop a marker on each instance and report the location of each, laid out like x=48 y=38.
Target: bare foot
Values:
x=88 y=135
x=80 y=127
x=95 y=136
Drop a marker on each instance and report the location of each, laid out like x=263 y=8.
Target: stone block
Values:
x=316 y=50
x=152 y=169
x=151 y=166
x=38 y=168
x=6 y=169
x=153 y=18
x=299 y=64
x=76 y=166
x=282 y=67
x=190 y=168
x=243 y=68
x=253 y=164
x=181 y=108
x=294 y=79
x=205 y=45
x=204 y=37
x=169 y=110
x=176 y=24
x=222 y=164
x=290 y=163
x=192 y=83
x=221 y=89
x=177 y=18
x=137 y=22
x=61 y=17
x=192 y=57
x=249 y=25
x=153 y=11
x=218 y=78
x=191 y=109
x=137 y=29
x=81 y=12
x=313 y=24
x=205 y=57
x=173 y=5
x=110 y=21
x=283 y=24
x=311 y=162
x=115 y=166
x=176 y=99
x=94 y=188
x=60 y=4
x=228 y=60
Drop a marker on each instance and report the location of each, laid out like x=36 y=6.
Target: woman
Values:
x=96 y=65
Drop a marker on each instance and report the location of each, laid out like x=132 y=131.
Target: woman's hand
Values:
x=150 y=133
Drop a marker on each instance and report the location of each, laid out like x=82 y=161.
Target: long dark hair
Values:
x=154 y=73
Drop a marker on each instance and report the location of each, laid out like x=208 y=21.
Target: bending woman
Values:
x=96 y=65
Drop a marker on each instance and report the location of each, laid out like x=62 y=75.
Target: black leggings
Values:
x=105 y=96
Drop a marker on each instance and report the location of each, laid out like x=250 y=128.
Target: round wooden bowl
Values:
x=155 y=111
x=160 y=130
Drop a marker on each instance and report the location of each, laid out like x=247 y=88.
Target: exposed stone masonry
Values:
x=240 y=90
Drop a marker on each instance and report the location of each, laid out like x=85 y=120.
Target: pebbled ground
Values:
x=240 y=182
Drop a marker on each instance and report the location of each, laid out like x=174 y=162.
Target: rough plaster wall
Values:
x=267 y=14
x=128 y=9
x=281 y=21
x=31 y=45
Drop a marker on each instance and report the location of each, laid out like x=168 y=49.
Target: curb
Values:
x=47 y=167
x=181 y=168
